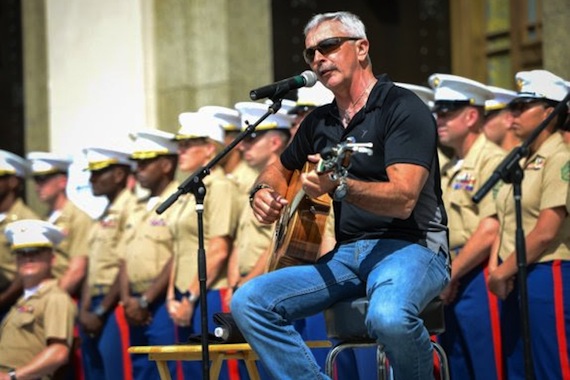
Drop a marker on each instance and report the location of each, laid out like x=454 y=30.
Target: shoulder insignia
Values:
x=565 y=172
x=496 y=189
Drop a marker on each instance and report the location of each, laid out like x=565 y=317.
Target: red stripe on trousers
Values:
x=179 y=369
x=124 y=332
x=77 y=361
x=559 y=316
x=495 y=327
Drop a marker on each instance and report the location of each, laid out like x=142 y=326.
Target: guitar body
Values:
x=299 y=231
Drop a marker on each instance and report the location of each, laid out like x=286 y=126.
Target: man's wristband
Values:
x=12 y=375
x=257 y=187
x=192 y=298
x=100 y=311
x=143 y=302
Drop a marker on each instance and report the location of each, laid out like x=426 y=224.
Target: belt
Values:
x=140 y=287
x=99 y=290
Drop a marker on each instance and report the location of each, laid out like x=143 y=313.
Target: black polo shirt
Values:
x=402 y=130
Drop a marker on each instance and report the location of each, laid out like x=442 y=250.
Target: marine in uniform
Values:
x=236 y=169
x=199 y=138
x=13 y=171
x=546 y=224
x=103 y=333
x=234 y=166
x=260 y=148
x=37 y=333
x=147 y=248
x=49 y=171
x=498 y=119
x=472 y=337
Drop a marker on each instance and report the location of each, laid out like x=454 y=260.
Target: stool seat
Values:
x=346 y=319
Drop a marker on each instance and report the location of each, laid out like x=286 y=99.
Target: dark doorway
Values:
x=11 y=78
x=409 y=38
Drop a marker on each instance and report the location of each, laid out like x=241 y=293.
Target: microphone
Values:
x=306 y=79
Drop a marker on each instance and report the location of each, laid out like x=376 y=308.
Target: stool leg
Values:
x=443 y=363
x=381 y=363
x=338 y=348
x=331 y=357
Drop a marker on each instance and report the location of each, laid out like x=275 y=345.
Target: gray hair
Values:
x=351 y=23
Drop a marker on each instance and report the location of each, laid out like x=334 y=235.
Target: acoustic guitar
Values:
x=299 y=230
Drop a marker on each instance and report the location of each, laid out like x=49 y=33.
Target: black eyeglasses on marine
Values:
x=519 y=107
x=326 y=46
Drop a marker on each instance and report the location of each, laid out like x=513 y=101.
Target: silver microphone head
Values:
x=310 y=78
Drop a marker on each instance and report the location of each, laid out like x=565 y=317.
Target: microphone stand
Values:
x=194 y=184
x=510 y=171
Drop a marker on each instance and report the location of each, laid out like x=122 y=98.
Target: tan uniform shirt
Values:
x=103 y=240
x=7 y=261
x=47 y=314
x=244 y=177
x=76 y=225
x=147 y=243
x=219 y=219
x=545 y=185
x=253 y=239
x=460 y=182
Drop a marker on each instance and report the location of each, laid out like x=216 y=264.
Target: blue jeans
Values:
x=399 y=278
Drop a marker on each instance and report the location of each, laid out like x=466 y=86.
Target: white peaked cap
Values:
x=453 y=88
x=11 y=163
x=502 y=98
x=32 y=234
x=426 y=94
x=314 y=96
x=541 y=84
x=194 y=125
x=252 y=112
x=153 y=143
x=48 y=163
x=228 y=118
x=100 y=158
x=288 y=107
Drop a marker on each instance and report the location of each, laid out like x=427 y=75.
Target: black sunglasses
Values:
x=326 y=46
x=43 y=178
x=519 y=107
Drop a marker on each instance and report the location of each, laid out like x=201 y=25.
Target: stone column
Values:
x=209 y=53
x=556 y=37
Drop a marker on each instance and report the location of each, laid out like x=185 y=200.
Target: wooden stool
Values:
x=345 y=322
x=218 y=353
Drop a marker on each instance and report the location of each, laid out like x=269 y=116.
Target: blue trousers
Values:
x=160 y=332
x=549 y=321
x=472 y=334
x=103 y=355
x=399 y=278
